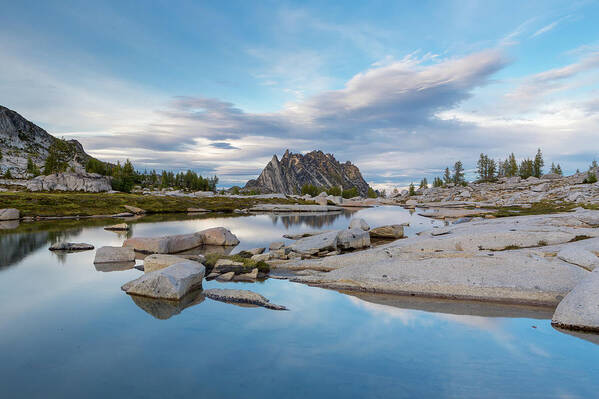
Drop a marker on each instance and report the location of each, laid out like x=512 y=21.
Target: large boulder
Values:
x=359 y=224
x=241 y=296
x=172 y=282
x=160 y=261
x=315 y=244
x=393 y=231
x=353 y=239
x=579 y=310
x=114 y=255
x=88 y=182
x=9 y=214
x=218 y=236
x=165 y=244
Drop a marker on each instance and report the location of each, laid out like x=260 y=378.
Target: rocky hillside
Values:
x=21 y=139
x=513 y=191
x=288 y=175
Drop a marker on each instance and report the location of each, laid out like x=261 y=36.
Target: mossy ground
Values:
x=242 y=257
x=539 y=208
x=88 y=204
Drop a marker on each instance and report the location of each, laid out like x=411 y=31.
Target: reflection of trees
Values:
x=15 y=247
x=315 y=220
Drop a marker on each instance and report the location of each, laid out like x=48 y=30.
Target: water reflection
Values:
x=114 y=266
x=316 y=220
x=9 y=225
x=163 y=309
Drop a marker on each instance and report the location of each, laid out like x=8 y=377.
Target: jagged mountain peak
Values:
x=317 y=168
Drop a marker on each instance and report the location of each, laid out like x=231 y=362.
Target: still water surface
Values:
x=67 y=330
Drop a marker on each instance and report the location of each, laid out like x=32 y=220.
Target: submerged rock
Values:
x=71 y=246
x=197 y=210
x=579 y=310
x=114 y=254
x=172 y=282
x=241 y=296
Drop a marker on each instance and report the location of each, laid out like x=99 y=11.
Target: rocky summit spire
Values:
x=316 y=168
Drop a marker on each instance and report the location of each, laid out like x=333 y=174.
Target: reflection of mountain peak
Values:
x=314 y=220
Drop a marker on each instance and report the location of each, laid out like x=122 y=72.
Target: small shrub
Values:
x=590 y=179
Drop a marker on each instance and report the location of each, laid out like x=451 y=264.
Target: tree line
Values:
x=125 y=177
x=490 y=170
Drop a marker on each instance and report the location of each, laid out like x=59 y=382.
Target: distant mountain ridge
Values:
x=293 y=171
x=21 y=139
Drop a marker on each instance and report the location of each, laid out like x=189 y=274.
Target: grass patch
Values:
x=248 y=264
x=539 y=208
x=88 y=204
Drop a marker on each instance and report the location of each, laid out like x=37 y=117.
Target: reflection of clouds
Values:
x=498 y=328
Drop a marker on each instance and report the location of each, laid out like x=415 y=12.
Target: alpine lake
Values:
x=67 y=330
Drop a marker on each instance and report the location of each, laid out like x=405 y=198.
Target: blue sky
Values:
x=402 y=89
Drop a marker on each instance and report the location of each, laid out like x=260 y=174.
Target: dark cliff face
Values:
x=21 y=139
x=295 y=170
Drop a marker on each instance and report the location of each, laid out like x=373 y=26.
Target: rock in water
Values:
x=353 y=239
x=219 y=236
x=317 y=168
x=393 y=231
x=118 y=227
x=359 y=224
x=71 y=246
x=172 y=282
x=579 y=310
x=9 y=214
x=165 y=244
x=241 y=296
x=315 y=244
x=160 y=261
x=114 y=255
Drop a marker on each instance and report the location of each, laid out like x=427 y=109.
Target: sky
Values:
x=402 y=89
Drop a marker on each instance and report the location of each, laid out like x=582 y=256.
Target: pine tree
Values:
x=437 y=182
x=423 y=183
x=458 y=173
x=526 y=169
x=412 y=189
x=447 y=176
x=512 y=169
x=538 y=163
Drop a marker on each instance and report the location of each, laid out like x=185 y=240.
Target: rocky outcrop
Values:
x=502 y=260
x=579 y=310
x=172 y=282
x=21 y=140
x=359 y=224
x=160 y=261
x=82 y=181
x=242 y=297
x=288 y=175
